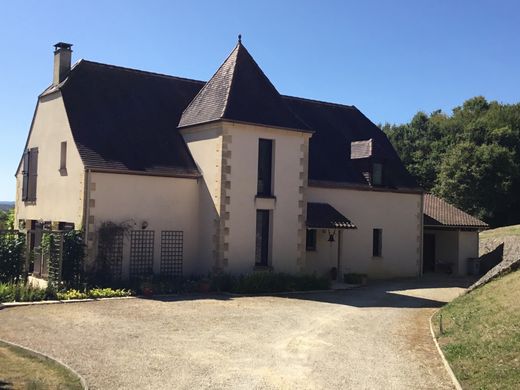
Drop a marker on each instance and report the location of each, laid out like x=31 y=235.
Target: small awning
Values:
x=324 y=216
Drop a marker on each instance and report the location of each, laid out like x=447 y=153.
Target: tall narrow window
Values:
x=262 y=238
x=377 y=243
x=377 y=174
x=265 y=165
x=63 y=158
x=30 y=174
x=311 y=240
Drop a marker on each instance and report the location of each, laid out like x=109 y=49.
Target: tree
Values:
x=471 y=157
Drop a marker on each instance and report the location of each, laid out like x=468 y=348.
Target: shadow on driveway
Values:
x=389 y=293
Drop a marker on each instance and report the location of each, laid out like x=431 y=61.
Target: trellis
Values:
x=171 y=252
x=141 y=253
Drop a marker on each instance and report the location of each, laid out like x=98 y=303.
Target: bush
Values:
x=71 y=294
x=108 y=293
x=21 y=292
x=12 y=248
x=354 y=278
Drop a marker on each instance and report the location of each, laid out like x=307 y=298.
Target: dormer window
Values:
x=377 y=174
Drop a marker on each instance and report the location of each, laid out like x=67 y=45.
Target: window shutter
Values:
x=25 y=175
x=33 y=174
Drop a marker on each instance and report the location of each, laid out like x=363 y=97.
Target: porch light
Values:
x=331 y=236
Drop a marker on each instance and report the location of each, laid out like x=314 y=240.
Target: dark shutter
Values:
x=33 y=174
x=25 y=176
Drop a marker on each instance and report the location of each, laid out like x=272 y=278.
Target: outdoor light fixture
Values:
x=331 y=236
x=144 y=225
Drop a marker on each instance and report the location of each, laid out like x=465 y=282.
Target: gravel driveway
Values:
x=368 y=338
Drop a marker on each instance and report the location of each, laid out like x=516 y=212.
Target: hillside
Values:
x=481 y=338
x=4 y=206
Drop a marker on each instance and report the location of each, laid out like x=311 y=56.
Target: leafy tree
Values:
x=471 y=157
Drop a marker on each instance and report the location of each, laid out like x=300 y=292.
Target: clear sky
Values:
x=388 y=58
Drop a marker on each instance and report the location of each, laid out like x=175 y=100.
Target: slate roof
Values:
x=240 y=91
x=439 y=213
x=324 y=216
x=125 y=120
x=335 y=127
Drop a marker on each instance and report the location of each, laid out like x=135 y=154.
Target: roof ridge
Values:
x=320 y=102
x=202 y=89
x=133 y=70
x=228 y=93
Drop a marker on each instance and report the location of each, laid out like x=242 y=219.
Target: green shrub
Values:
x=12 y=250
x=71 y=294
x=354 y=278
x=21 y=292
x=108 y=293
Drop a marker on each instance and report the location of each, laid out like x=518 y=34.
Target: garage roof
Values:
x=439 y=213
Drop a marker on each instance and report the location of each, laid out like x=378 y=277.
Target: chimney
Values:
x=62 y=60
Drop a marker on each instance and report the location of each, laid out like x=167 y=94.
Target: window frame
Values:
x=377 y=242
x=311 y=238
x=379 y=182
x=262 y=237
x=63 y=158
x=264 y=184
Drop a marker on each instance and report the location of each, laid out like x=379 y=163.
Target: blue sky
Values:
x=389 y=58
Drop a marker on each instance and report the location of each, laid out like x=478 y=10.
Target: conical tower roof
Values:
x=240 y=91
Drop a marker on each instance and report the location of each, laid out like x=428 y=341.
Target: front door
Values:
x=429 y=253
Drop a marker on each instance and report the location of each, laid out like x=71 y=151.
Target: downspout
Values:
x=339 y=256
x=421 y=237
x=86 y=208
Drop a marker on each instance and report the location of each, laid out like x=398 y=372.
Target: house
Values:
x=225 y=175
x=450 y=237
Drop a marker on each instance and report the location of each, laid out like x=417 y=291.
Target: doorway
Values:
x=429 y=253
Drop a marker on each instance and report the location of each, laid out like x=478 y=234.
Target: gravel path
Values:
x=369 y=338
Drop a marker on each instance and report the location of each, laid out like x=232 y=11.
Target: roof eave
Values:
x=224 y=120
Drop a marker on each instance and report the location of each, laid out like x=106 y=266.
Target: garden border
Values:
x=41 y=355
x=453 y=378
x=6 y=305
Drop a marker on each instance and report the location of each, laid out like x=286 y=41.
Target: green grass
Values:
x=481 y=337
x=513 y=230
x=21 y=369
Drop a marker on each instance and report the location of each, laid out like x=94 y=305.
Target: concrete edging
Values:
x=453 y=378
x=45 y=356
x=6 y=305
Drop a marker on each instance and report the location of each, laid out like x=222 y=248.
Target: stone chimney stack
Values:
x=62 y=61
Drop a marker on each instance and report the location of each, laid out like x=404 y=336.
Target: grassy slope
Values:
x=513 y=230
x=482 y=335
x=20 y=369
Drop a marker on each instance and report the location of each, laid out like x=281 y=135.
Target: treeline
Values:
x=471 y=158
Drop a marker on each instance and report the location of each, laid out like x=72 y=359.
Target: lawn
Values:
x=513 y=230
x=20 y=369
x=481 y=337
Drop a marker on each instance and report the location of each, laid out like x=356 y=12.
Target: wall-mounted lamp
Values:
x=144 y=225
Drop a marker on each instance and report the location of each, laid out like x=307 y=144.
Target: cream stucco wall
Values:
x=165 y=203
x=288 y=187
x=205 y=144
x=468 y=248
x=398 y=214
x=58 y=198
x=227 y=155
x=325 y=256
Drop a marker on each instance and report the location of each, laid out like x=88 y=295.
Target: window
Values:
x=377 y=174
x=30 y=174
x=63 y=158
x=265 y=165
x=311 y=240
x=377 y=242
x=262 y=238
